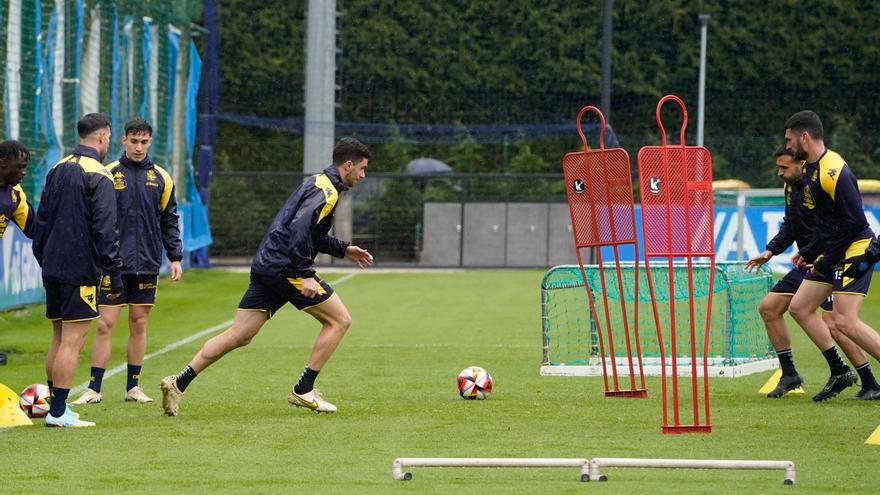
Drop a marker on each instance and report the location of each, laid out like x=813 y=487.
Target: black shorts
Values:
x=845 y=285
x=139 y=290
x=267 y=294
x=788 y=285
x=71 y=303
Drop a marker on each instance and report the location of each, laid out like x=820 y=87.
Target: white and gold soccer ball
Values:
x=34 y=400
x=474 y=383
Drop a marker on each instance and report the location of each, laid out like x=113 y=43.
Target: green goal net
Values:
x=738 y=343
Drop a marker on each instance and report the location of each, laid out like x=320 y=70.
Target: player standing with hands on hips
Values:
x=283 y=271
x=147 y=220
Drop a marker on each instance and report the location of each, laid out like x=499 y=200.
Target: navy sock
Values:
x=786 y=362
x=838 y=367
x=306 y=381
x=184 y=377
x=867 y=377
x=59 y=401
x=49 y=384
x=134 y=374
x=96 y=379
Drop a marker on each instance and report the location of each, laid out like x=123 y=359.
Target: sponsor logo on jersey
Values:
x=809 y=202
x=118 y=181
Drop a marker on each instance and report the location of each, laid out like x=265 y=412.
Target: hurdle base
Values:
x=675 y=430
x=639 y=393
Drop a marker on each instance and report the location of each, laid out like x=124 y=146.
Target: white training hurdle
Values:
x=589 y=468
x=399 y=474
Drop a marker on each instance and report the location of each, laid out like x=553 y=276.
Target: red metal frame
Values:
x=681 y=161
x=593 y=228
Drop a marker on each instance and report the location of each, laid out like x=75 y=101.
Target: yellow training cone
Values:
x=10 y=411
x=771 y=384
x=874 y=439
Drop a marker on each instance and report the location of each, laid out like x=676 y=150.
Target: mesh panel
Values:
x=111 y=57
x=676 y=200
x=736 y=331
x=602 y=202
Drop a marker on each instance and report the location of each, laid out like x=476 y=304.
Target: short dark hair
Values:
x=138 y=125
x=806 y=120
x=90 y=123
x=783 y=151
x=349 y=148
x=12 y=149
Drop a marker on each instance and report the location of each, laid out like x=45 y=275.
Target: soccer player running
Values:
x=843 y=232
x=75 y=242
x=14 y=205
x=283 y=271
x=147 y=221
x=797 y=226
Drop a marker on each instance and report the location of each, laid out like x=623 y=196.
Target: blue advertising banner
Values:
x=760 y=224
x=20 y=280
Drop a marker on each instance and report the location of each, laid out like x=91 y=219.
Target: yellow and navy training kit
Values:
x=14 y=207
x=298 y=233
x=147 y=217
x=832 y=194
x=796 y=227
x=138 y=290
x=75 y=236
x=268 y=294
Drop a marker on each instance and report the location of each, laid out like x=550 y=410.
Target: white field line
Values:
x=186 y=340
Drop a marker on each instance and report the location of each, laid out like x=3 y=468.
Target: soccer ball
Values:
x=34 y=400
x=474 y=383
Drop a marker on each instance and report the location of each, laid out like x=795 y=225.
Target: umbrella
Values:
x=427 y=166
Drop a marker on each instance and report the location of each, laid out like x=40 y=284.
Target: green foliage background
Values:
x=524 y=62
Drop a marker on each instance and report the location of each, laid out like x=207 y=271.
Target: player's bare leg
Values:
x=858 y=334
x=53 y=351
x=806 y=300
x=138 y=316
x=101 y=349
x=70 y=338
x=772 y=310
x=244 y=327
x=335 y=322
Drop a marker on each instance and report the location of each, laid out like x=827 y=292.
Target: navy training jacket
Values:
x=797 y=225
x=147 y=216
x=837 y=209
x=301 y=229
x=75 y=236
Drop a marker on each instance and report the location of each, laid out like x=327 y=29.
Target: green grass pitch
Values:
x=393 y=379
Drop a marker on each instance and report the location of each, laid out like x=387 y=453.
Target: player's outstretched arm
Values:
x=755 y=263
x=359 y=255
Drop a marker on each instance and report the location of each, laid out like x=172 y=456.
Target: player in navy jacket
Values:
x=76 y=241
x=283 y=271
x=843 y=231
x=147 y=221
